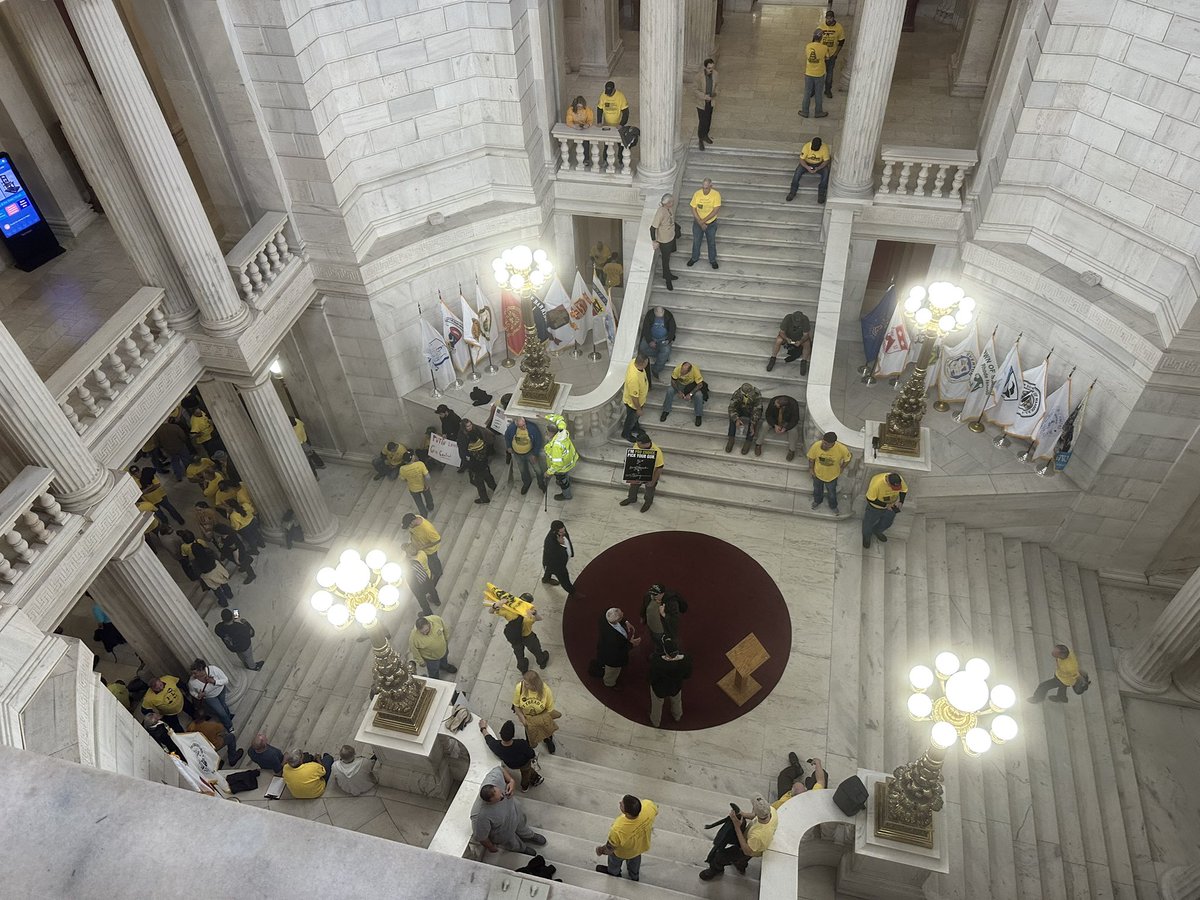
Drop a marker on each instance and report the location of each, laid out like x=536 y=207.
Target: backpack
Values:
x=1082 y=683
x=630 y=135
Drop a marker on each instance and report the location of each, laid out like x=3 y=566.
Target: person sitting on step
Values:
x=782 y=417
x=814 y=160
x=745 y=408
x=388 y=462
x=796 y=332
x=687 y=383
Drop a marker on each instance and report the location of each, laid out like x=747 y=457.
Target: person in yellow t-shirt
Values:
x=580 y=116
x=305 y=775
x=612 y=108
x=629 y=837
x=815 y=159
x=795 y=784
x=425 y=537
x=827 y=460
x=885 y=498
x=388 y=462
x=645 y=444
x=165 y=697
x=1066 y=673
x=815 y=55
x=686 y=384
x=637 y=389
x=416 y=476
x=833 y=36
x=706 y=206
x=741 y=839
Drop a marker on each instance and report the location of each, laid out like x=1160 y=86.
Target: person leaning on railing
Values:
x=580 y=116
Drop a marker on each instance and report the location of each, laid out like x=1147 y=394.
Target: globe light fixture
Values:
x=524 y=271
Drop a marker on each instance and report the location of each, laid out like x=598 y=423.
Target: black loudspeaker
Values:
x=851 y=796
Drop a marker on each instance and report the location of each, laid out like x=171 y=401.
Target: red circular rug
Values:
x=729 y=596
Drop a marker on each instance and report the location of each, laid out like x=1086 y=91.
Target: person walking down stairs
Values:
x=533 y=704
x=497 y=820
x=885 y=498
x=629 y=837
x=1066 y=673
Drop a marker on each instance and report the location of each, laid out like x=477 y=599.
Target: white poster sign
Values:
x=444 y=450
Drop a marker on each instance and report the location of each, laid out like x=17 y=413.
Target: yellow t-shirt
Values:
x=759 y=834
x=522 y=443
x=240 y=521
x=880 y=493
x=508 y=615
x=583 y=117
x=300 y=431
x=658 y=454
x=814 y=157
x=426 y=537
x=168 y=701
x=827 y=464
x=832 y=35
x=394 y=457
x=306 y=782
x=637 y=386
x=414 y=475
x=631 y=837
x=196 y=470
x=121 y=692
x=532 y=704
x=433 y=645
x=704 y=203
x=789 y=795
x=201 y=427
x=420 y=559
x=815 y=55
x=1067 y=670
x=612 y=106
x=692 y=377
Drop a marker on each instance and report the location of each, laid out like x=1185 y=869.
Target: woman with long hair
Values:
x=533 y=703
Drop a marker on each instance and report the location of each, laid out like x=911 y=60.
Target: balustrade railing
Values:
x=261 y=256
x=29 y=520
x=595 y=152
x=929 y=175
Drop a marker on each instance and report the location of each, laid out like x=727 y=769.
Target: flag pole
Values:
x=1048 y=469
x=595 y=354
x=458 y=382
x=491 y=366
x=867 y=369
x=977 y=426
x=1027 y=454
x=474 y=376
x=957 y=417
x=432 y=377
x=1003 y=441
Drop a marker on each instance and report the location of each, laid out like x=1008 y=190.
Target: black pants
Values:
x=726 y=851
x=704 y=114
x=563 y=578
x=426 y=594
x=534 y=646
x=1047 y=686
x=665 y=251
x=481 y=477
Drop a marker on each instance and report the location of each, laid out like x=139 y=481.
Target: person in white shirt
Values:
x=207 y=684
x=353 y=773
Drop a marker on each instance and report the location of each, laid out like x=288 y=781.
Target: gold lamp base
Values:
x=890 y=822
x=538 y=387
x=906 y=802
x=403 y=701
x=900 y=444
x=402 y=716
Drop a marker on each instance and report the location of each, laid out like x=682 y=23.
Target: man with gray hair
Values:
x=617 y=637
x=305 y=775
x=662 y=233
x=497 y=820
x=741 y=838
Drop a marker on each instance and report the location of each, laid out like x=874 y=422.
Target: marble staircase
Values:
x=1056 y=812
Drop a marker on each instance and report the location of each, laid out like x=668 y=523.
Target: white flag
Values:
x=558 y=316
x=452 y=331
x=604 y=317
x=1032 y=404
x=437 y=357
x=1058 y=407
x=955 y=368
x=896 y=347
x=489 y=322
x=472 y=331
x=581 y=310
x=979 y=386
x=1001 y=408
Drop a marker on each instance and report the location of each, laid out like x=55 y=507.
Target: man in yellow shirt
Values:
x=815 y=159
x=1066 y=673
x=612 y=108
x=706 y=205
x=416 y=476
x=815 y=55
x=165 y=697
x=742 y=838
x=687 y=384
x=637 y=389
x=827 y=460
x=425 y=537
x=389 y=460
x=429 y=643
x=305 y=775
x=885 y=498
x=629 y=837
x=645 y=444
x=792 y=782
x=833 y=36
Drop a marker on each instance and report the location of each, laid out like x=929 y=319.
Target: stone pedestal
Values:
x=659 y=81
x=515 y=408
x=971 y=64
x=1174 y=637
x=894 y=462
x=602 y=45
x=700 y=35
x=416 y=763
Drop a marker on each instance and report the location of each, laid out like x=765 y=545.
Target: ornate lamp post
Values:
x=942 y=309
x=358 y=589
x=524 y=271
x=904 y=808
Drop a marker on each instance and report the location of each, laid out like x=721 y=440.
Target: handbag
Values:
x=243 y=780
x=1082 y=683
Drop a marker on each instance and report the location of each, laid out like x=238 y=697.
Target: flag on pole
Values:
x=896 y=347
x=437 y=356
x=1001 y=408
x=979 y=386
x=955 y=367
x=581 y=310
x=604 y=317
x=1058 y=408
x=452 y=331
x=1065 y=445
x=558 y=316
x=472 y=330
x=875 y=324
x=514 y=325
x=1032 y=405
x=487 y=319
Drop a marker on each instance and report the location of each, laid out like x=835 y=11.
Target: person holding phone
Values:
x=237 y=634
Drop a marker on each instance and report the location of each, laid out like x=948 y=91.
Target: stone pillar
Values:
x=878 y=35
x=602 y=45
x=137 y=573
x=700 y=33
x=944 y=264
x=37 y=429
x=971 y=64
x=142 y=634
x=1187 y=677
x=165 y=180
x=1181 y=883
x=247 y=453
x=564 y=243
x=661 y=33
x=41 y=31
x=1174 y=637
x=287 y=457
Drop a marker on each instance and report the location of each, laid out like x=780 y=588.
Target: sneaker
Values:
x=550 y=580
x=543 y=662
x=745 y=448
x=709 y=874
x=801 y=114
x=822 y=115
x=670 y=285
x=700 y=141
x=627 y=501
x=771 y=363
x=449 y=668
x=791 y=454
x=524 y=490
x=258 y=666
x=829 y=94
x=537 y=779
x=550 y=745
x=250 y=578
x=662 y=417
x=758 y=449
x=536 y=839
x=729 y=445
x=690 y=262
x=482 y=500
x=866 y=543
x=699 y=421
x=791 y=196
x=707 y=139
x=560 y=497
x=714 y=265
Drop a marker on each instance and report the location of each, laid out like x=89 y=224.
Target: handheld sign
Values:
x=639 y=465
x=499 y=420
x=444 y=450
x=505 y=604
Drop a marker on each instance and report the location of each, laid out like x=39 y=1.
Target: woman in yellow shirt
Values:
x=580 y=116
x=244 y=523
x=533 y=703
x=154 y=492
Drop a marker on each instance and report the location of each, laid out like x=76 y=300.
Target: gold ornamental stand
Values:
x=403 y=702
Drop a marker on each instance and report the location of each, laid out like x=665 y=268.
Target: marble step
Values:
x=735 y=161
x=872 y=674
x=842 y=741
x=751 y=362
x=801 y=272
x=698 y=454
x=782 y=217
x=583 y=874
x=686 y=303
x=723 y=379
x=702 y=278
x=752 y=340
x=803 y=251
x=799 y=239
x=896 y=725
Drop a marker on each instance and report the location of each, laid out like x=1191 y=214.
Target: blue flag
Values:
x=875 y=324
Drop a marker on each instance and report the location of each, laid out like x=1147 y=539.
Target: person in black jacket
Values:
x=556 y=551
x=237 y=634
x=515 y=753
x=617 y=638
x=450 y=421
x=658 y=336
x=668 y=671
x=782 y=416
x=475 y=449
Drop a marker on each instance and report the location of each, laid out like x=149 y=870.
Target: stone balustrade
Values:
x=30 y=519
x=112 y=360
x=260 y=257
x=610 y=159
x=925 y=175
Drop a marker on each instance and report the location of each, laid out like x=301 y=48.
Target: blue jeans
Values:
x=634 y=865
x=699 y=234
x=830 y=62
x=697 y=400
x=876 y=521
x=822 y=175
x=221 y=710
x=433 y=667
x=179 y=466
x=532 y=466
x=819 y=489
x=659 y=356
x=630 y=424
x=424 y=501
x=563 y=480
x=814 y=86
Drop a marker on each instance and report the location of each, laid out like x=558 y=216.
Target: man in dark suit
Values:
x=617 y=637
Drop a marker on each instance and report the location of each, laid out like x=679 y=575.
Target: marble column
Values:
x=944 y=264
x=659 y=81
x=135 y=627
x=971 y=64
x=137 y=573
x=877 y=33
x=700 y=33
x=247 y=453
x=1181 y=883
x=166 y=182
x=1187 y=677
x=38 y=430
x=1174 y=637
x=602 y=45
x=287 y=457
